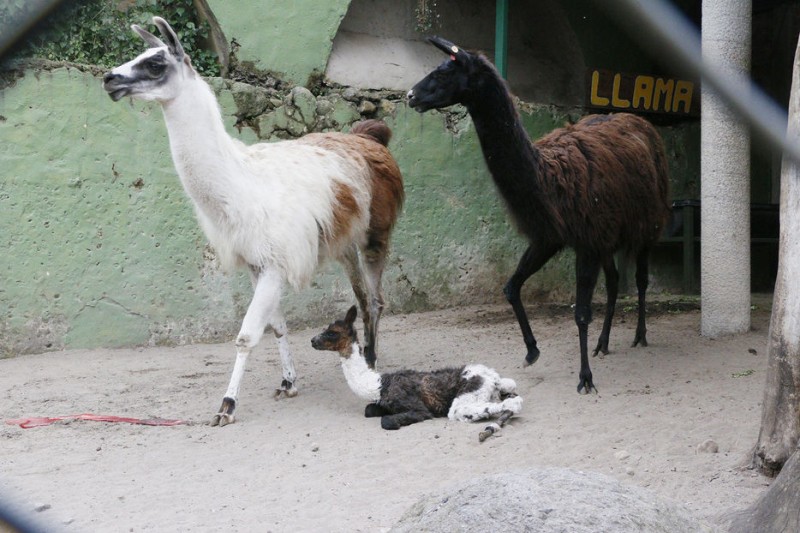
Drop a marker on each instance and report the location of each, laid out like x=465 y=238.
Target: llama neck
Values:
x=202 y=151
x=507 y=148
x=364 y=381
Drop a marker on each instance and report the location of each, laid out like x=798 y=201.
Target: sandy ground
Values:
x=313 y=463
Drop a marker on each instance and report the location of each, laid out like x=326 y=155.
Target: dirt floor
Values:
x=314 y=463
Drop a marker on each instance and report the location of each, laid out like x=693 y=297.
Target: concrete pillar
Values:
x=725 y=177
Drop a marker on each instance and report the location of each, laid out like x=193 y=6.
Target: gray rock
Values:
x=552 y=500
x=323 y=106
x=306 y=104
x=386 y=107
x=250 y=101
x=622 y=455
x=708 y=446
x=366 y=107
x=350 y=94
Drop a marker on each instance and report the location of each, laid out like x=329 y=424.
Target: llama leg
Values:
x=587 y=269
x=612 y=288
x=531 y=261
x=493 y=428
x=406 y=418
x=287 y=387
x=642 y=260
x=355 y=272
x=467 y=409
x=373 y=410
x=261 y=311
x=374 y=263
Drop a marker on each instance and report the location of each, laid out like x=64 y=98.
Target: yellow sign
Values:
x=642 y=93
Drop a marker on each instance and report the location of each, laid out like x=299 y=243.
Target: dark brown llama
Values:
x=598 y=186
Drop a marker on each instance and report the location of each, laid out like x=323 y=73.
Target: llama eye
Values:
x=155 y=68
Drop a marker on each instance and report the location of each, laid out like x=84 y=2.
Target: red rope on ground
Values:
x=26 y=423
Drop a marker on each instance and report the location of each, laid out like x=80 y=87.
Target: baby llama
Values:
x=467 y=393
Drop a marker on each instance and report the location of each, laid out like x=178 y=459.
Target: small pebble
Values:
x=621 y=455
x=42 y=507
x=314 y=448
x=709 y=446
x=629 y=471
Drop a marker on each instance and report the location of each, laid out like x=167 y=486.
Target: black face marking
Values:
x=147 y=73
x=154 y=66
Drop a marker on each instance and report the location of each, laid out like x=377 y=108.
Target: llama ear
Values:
x=173 y=44
x=455 y=53
x=350 y=317
x=148 y=37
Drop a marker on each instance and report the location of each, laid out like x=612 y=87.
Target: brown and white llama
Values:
x=468 y=393
x=598 y=187
x=277 y=209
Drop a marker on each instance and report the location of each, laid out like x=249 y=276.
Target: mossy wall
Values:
x=292 y=38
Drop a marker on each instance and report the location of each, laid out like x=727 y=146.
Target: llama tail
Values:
x=374 y=129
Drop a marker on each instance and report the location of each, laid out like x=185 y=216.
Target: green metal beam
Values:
x=501 y=36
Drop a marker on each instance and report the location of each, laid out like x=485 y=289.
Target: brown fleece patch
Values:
x=605 y=183
x=344 y=211
x=386 y=180
x=387 y=198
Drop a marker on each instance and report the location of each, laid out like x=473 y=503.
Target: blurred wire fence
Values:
x=662 y=29
x=655 y=24
x=19 y=18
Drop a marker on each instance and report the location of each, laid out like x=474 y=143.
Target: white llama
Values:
x=278 y=209
x=468 y=393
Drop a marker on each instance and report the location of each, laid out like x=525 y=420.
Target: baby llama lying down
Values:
x=468 y=393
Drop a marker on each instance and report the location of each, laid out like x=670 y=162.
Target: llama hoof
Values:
x=389 y=423
x=640 y=340
x=225 y=414
x=601 y=347
x=283 y=393
x=490 y=430
x=532 y=357
x=222 y=419
x=286 y=390
x=586 y=384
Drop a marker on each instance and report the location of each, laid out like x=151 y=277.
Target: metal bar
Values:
x=501 y=36
x=688 y=247
x=13 y=30
x=669 y=35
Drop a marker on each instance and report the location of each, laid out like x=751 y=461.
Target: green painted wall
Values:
x=101 y=247
x=289 y=37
